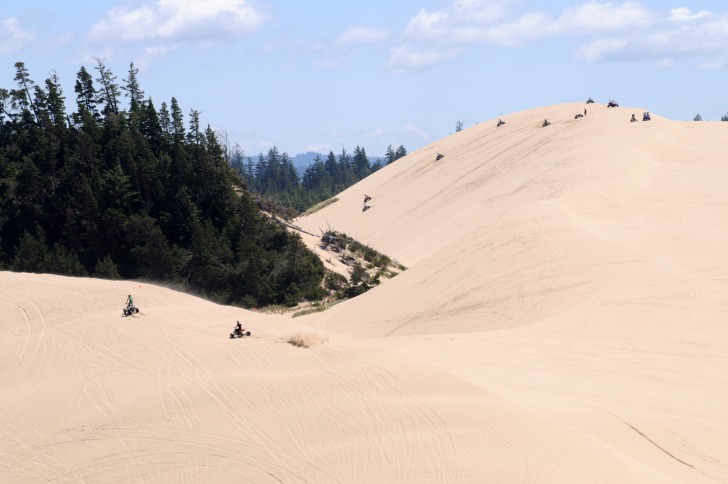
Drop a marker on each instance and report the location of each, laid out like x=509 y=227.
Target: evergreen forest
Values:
x=116 y=187
x=274 y=176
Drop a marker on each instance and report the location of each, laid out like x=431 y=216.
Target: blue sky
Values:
x=328 y=74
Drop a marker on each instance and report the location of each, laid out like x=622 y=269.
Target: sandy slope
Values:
x=595 y=247
x=561 y=320
x=486 y=229
x=165 y=397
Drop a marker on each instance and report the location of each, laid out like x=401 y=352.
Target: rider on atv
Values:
x=130 y=308
x=239 y=331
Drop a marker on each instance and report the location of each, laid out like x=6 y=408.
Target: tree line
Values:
x=273 y=174
x=117 y=188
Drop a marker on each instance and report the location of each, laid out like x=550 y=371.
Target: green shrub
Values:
x=106 y=269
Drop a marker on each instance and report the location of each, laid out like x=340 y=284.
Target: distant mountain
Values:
x=302 y=160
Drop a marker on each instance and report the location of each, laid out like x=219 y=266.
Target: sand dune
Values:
x=561 y=320
x=165 y=396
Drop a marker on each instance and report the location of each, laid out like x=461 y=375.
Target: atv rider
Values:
x=129 y=302
x=239 y=330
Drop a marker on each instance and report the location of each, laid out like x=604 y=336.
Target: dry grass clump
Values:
x=306 y=340
x=319 y=206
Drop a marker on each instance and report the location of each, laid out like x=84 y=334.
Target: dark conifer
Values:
x=133 y=90
x=110 y=91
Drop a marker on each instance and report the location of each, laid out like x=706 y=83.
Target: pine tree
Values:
x=110 y=91
x=85 y=96
x=32 y=254
x=237 y=160
x=165 y=120
x=361 y=163
x=106 y=269
x=56 y=101
x=4 y=106
x=345 y=169
x=150 y=128
x=177 y=126
x=133 y=91
x=22 y=98
x=389 y=156
x=332 y=170
x=194 y=135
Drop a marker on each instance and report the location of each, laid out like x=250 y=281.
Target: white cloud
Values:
x=426 y=25
x=683 y=14
x=317 y=148
x=405 y=58
x=601 y=31
x=586 y=19
x=180 y=20
x=64 y=38
x=528 y=27
x=462 y=22
x=408 y=128
x=703 y=38
x=602 y=49
x=329 y=53
x=150 y=54
x=413 y=129
x=360 y=34
x=338 y=52
x=12 y=36
x=472 y=23
x=482 y=11
x=596 y=17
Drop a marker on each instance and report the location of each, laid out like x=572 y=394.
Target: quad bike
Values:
x=239 y=333
x=590 y=101
x=612 y=104
x=129 y=310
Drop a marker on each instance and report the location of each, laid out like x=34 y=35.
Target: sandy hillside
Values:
x=164 y=396
x=578 y=269
x=561 y=320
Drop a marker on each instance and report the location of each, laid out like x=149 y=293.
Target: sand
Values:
x=561 y=320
